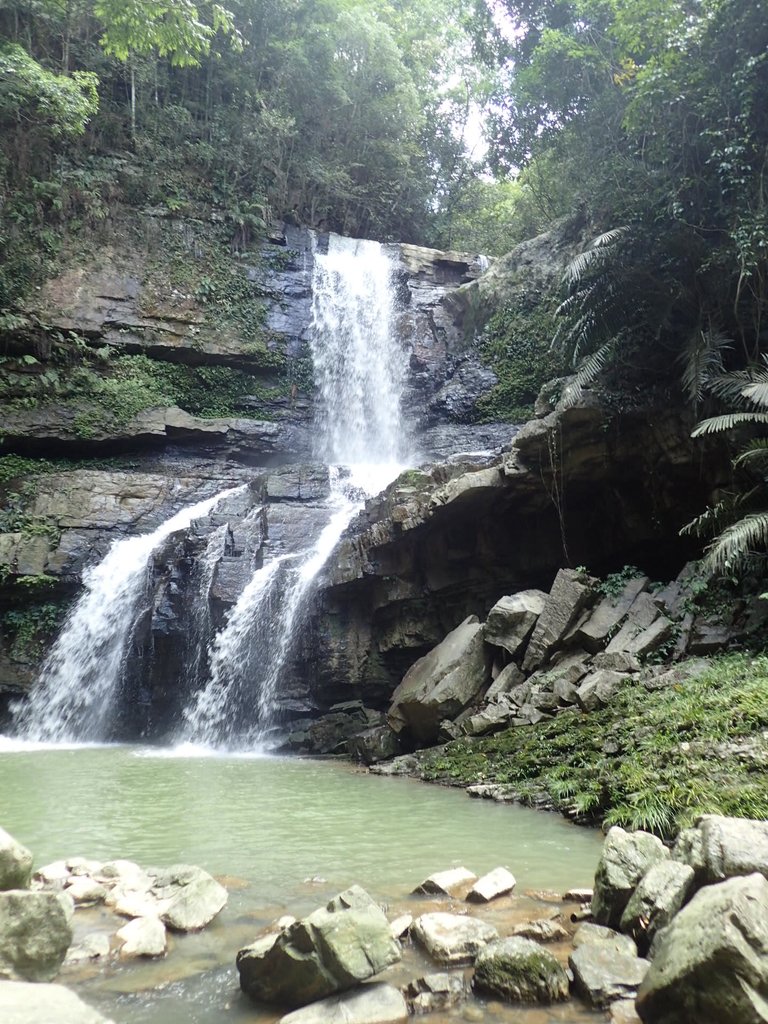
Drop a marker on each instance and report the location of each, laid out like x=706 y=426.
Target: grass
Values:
x=652 y=759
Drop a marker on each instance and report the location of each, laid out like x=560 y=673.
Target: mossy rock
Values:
x=519 y=970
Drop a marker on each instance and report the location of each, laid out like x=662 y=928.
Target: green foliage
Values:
x=515 y=344
x=175 y=30
x=673 y=753
x=29 y=630
x=60 y=105
x=615 y=582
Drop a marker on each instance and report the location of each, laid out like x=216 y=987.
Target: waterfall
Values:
x=80 y=681
x=359 y=366
x=359 y=371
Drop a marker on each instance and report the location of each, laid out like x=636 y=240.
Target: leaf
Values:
x=717 y=424
x=737 y=542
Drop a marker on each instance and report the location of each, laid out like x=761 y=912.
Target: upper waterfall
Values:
x=359 y=365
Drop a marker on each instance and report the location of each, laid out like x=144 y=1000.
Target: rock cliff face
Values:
x=588 y=485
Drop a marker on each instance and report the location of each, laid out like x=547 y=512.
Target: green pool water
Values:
x=287 y=834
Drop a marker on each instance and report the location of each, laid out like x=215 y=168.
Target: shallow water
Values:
x=288 y=834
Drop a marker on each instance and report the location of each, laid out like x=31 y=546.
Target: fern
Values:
x=702 y=360
x=587 y=372
x=755 y=452
x=727 y=421
x=738 y=543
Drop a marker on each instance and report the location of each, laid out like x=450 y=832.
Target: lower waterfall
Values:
x=80 y=681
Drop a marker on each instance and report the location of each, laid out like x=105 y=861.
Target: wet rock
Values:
x=542 y=930
x=623 y=1012
x=660 y=894
x=35 y=934
x=499 y=882
x=519 y=970
x=191 y=897
x=603 y=975
x=379 y=743
x=370 y=1004
x=710 y=965
x=441 y=684
x=446 y=883
x=436 y=992
x=51 y=876
x=452 y=938
x=511 y=620
x=29 y=1003
x=589 y=934
x=625 y=858
x=401 y=926
x=15 y=863
x=578 y=895
x=144 y=936
x=329 y=951
x=570 y=595
x=85 y=891
x=93 y=946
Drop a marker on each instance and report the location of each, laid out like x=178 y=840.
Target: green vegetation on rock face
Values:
x=515 y=344
x=652 y=759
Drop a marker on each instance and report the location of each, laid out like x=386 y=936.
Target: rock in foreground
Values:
x=520 y=971
x=25 y=1003
x=35 y=934
x=452 y=938
x=710 y=966
x=331 y=950
x=370 y=1004
x=15 y=863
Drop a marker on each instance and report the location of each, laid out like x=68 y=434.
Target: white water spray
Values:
x=80 y=682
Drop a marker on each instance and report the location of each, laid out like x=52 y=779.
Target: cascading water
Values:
x=359 y=371
x=75 y=697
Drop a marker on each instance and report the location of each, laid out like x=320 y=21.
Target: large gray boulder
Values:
x=190 y=898
x=520 y=971
x=710 y=965
x=452 y=938
x=436 y=992
x=625 y=858
x=594 y=633
x=732 y=847
x=370 y=1004
x=15 y=863
x=511 y=620
x=329 y=951
x=602 y=975
x=35 y=934
x=26 y=1003
x=569 y=596
x=442 y=683
x=661 y=893
x=598 y=688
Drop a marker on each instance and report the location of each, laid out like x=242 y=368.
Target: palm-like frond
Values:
x=727 y=421
x=737 y=543
x=717 y=517
x=586 y=373
x=753 y=454
x=757 y=391
x=702 y=360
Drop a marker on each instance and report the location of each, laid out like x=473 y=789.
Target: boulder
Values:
x=644 y=631
x=602 y=975
x=689 y=849
x=733 y=846
x=93 y=946
x=542 y=930
x=191 y=897
x=26 y=1003
x=660 y=894
x=710 y=965
x=379 y=743
x=401 y=926
x=144 y=936
x=491 y=718
x=625 y=858
x=569 y=596
x=329 y=951
x=594 y=633
x=578 y=895
x=370 y=1004
x=436 y=992
x=598 y=935
x=15 y=863
x=85 y=891
x=623 y=1012
x=511 y=620
x=521 y=971
x=452 y=938
x=446 y=883
x=498 y=882
x=598 y=688
x=506 y=681
x=35 y=934
x=442 y=683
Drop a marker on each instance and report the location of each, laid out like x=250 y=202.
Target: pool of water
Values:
x=287 y=834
